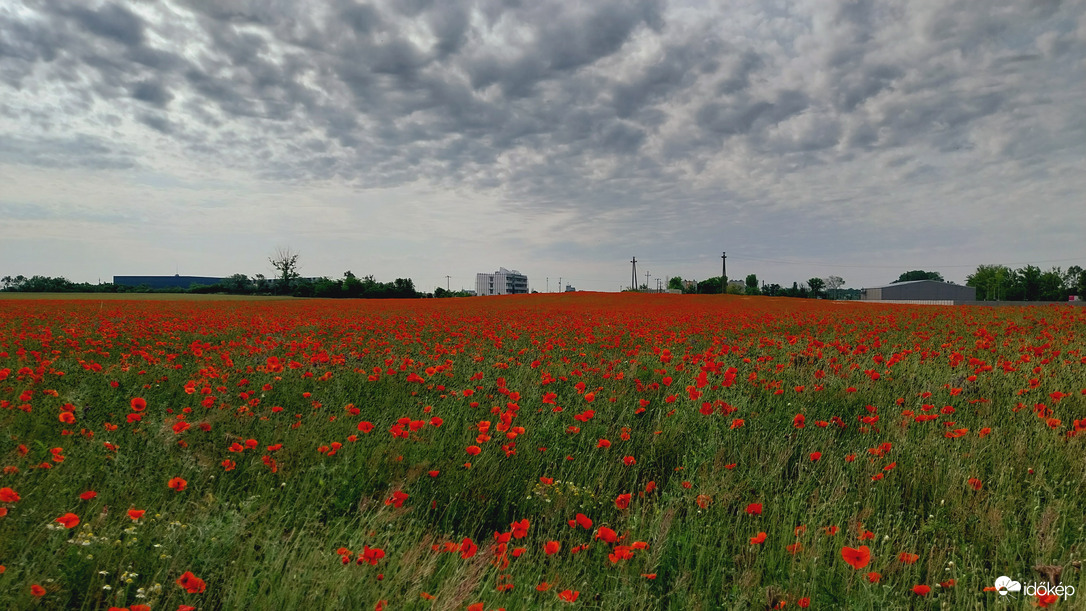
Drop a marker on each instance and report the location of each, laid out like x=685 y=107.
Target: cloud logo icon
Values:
x=1005 y=585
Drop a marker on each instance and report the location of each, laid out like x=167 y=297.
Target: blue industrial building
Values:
x=165 y=282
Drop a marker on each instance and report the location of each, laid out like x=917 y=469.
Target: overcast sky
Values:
x=417 y=138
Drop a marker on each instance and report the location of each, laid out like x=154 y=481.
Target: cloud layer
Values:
x=859 y=133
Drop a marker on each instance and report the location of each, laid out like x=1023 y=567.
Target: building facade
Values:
x=920 y=290
x=165 y=282
x=501 y=282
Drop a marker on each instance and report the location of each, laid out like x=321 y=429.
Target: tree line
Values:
x=350 y=286
x=814 y=288
x=993 y=283
x=1029 y=283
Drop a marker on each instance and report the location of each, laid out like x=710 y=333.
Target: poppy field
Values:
x=619 y=451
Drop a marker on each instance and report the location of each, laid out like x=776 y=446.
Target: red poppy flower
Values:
x=1046 y=600
x=69 y=520
x=622 y=501
x=136 y=514
x=758 y=539
x=520 y=529
x=7 y=495
x=177 y=483
x=191 y=583
x=921 y=590
x=608 y=535
x=473 y=450
x=37 y=591
x=816 y=456
x=468 y=548
x=371 y=555
x=873 y=577
x=754 y=509
x=908 y=558
x=569 y=595
x=138 y=404
x=857 y=557
x=397 y=498
x=551 y=547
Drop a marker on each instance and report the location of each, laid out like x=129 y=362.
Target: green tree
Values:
x=1076 y=281
x=675 y=283
x=918 y=274
x=752 y=285
x=991 y=281
x=1026 y=284
x=238 y=284
x=816 y=285
x=351 y=285
x=327 y=288
x=1051 y=287
x=710 y=285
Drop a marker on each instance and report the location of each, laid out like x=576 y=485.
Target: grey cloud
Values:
x=151 y=92
x=159 y=124
x=450 y=25
x=112 y=21
x=539 y=99
x=742 y=115
x=81 y=150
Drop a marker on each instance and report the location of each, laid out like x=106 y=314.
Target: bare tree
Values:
x=833 y=283
x=285 y=262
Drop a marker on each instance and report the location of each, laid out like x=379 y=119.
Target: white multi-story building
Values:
x=501 y=282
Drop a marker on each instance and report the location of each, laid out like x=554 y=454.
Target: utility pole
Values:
x=633 y=275
x=447 y=278
x=646 y=281
x=548 y=284
x=723 y=272
x=559 y=284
